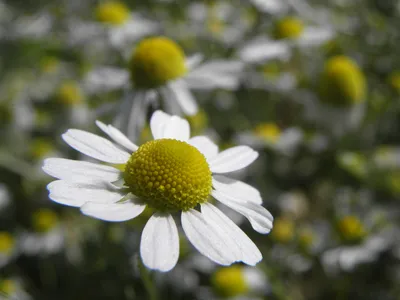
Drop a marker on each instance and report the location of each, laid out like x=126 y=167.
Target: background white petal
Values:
x=117 y=136
x=207 y=238
x=116 y=212
x=79 y=171
x=249 y=252
x=105 y=79
x=236 y=189
x=260 y=218
x=233 y=159
x=159 y=245
x=262 y=50
x=95 y=146
x=179 y=92
x=77 y=194
x=157 y=123
x=177 y=128
x=205 y=146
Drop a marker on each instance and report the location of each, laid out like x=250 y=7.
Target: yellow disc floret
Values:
x=155 y=61
x=230 y=281
x=288 y=28
x=342 y=82
x=351 y=229
x=269 y=132
x=283 y=231
x=69 y=93
x=169 y=175
x=113 y=12
x=44 y=220
x=7 y=287
x=6 y=242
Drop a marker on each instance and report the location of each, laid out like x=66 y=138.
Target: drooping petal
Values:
x=105 y=79
x=259 y=217
x=233 y=159
x=157 y=123
x=261 y=50
x=95 y=146
x=249 y=252
x=180 y=93
x=115 y=212
x=193 y=61
x=205 y=146
x=207 y=238
x=236 y=189
x=177 y=128
x=77 y=194
x=159 y=245
x=79 y=171
x=117 y=136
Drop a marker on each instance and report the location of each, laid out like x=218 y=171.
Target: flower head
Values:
x=288 y=28
x=155 y=61
x=230 y=281
x=171 y=174
x=342 y=82
x=112 y=12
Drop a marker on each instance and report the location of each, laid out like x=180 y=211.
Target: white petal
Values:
x=159 y=245
x=249 y=252
x=207 y=238
x=116 y=212
x=233 y=159
x=180 y=93
x=205 y=146
x=193 y=61
x=117 y=136
x=106 y=79
x=260 y=218
x=177 y=128
x=216 y=74
x=79 y=171
x=77 y=194
x=315 y=36
x=236 y=189
x=158 y=121
x=95 y=146
x=261 y=50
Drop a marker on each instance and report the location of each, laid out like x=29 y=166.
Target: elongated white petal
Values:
x=157 y=123
x=115 y=212
x=159 y=245
x=105 y=79
x=249 y=252
x=95 y=146
x=207 y=238
x=77 y=194
x=117 y=136
x=262 y=50
x=233 y=159
x=181 y=94
x=205 y=146
x=260 y=218
x=194 y=60
x=236 y=189
x=79 y=171
x=177 y=128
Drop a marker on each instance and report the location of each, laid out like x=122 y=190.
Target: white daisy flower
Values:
x=116 y=26
x=171 y=174
x=12 y=288
x=158 y=67
x=288 y=32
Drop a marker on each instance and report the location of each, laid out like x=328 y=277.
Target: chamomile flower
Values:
x=172 y=174
x=158 y=67
x=47 y=236
x=271 y=136
x=8 y=247
x=287 y=32
x=113 y=24
x=12 y=288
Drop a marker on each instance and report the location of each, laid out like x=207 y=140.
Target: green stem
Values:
x=147 y=280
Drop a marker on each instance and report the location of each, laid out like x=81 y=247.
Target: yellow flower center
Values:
x=6 y=243
x=342 y=82
x=230 y=281
x=394 y=80
x=169 y=175
x=44 y=220
x=306 y=238
x=40 y=147
x=69 y=93
x=113 y=12
x=155 y=61
x=7 y=287
x=283 y=231
x=351 y=229
x=288 y=28
x=270 y=132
